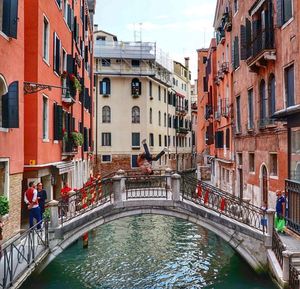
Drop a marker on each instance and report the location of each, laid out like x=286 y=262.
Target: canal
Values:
x=149 y=251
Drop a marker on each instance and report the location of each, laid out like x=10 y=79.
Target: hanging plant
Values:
x=77 y=84
x=64 y=75
x=77 y=138
x=4 y=206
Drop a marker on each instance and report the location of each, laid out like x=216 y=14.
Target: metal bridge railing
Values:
x=222 y=202
x=85 y=199
x=19 y=254
x=146 y=187
x=278 y=247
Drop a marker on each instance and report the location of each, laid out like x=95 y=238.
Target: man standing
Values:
x=31 y=199
x=280 y=212
x=42 y=197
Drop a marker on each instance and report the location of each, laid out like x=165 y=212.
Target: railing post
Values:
x=286 y=265
x=270 y=213
x=176 y=187
x=117 y=188
x=121 y=173
x=53 y=205
x=71 y=204
x=168 y=173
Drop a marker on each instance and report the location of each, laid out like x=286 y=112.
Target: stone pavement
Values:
x=291 y=240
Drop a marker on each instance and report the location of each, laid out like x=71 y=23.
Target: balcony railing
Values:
x=181 y=109
x=69 y=147
x=182 y=130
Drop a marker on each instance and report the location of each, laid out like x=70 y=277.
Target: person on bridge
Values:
x=145 y=159
x=31 y=200
x=42 y=197
x=280 y=212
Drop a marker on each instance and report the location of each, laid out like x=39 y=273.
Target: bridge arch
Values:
x=248 y=243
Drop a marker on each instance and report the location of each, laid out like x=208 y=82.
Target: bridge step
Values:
x=296 y=261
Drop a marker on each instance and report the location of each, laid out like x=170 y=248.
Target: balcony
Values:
x=181 y=110
x=225 y=67
x=266 y=123
x=68 y=148
x=226 y=20
x=261 y=49
x=208 y=111
x=182 y=130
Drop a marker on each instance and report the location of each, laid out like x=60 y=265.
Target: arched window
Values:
x=135 y=114
x=272 y=100
x=150 y=115
x=136 y=87
x=106 y=114
x=105 y=86
x=159 y=118
x=263 y=100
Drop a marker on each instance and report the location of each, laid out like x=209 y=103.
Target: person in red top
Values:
x=65 y=192
x=31 y=199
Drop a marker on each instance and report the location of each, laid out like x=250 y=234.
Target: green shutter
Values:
x=10 y=106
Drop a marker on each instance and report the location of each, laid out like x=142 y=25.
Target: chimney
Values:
x=186 y=62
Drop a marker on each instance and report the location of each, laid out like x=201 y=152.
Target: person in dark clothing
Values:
x=145 y=159
x=280 y=212
x=42 y=197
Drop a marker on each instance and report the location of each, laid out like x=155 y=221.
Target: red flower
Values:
x=75 y=131
x=72 y=77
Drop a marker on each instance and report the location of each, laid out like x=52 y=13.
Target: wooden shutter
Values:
x=243 y=42
x=86 y=54
x=227 y=138
x=101 y=86
x=10 y=106
x=86 y=139
x=73 y=124
x=56 y=53
x=10 y=18
x=279 y=12
x=90 y=137
x=248 y=38
x=59 y=112
x=70 y=63
x=69 y=16
x=210 y=134
x=55 y=126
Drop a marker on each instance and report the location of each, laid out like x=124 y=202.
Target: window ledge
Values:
x=55 y=141
x=46 y=61
x=4 y=36
x=274 y=177
x=46 y=140
x=3 y=129
x=135 y=147
x=287 y=23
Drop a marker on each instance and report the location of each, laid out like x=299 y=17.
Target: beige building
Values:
x=134 y=100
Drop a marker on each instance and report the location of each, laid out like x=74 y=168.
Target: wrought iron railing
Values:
x=146 y=187
x=85 y=199
x=292 y=189
x=222 y=202
x=19 y=254
x=294 y=273
x=278 y=247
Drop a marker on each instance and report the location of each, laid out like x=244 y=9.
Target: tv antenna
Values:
x=138 y=32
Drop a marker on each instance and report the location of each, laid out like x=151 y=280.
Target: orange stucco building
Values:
x=11 y=109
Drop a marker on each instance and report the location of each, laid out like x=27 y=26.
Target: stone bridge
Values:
x=178 y=195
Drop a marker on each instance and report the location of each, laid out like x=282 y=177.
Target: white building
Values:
x=134 y=100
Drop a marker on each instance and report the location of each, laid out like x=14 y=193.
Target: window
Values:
x=284 y=11
x=251 y=163
x=106 y=117
x=235 y=6
x=165 y=119
x=46 y=40
x=159 y=93
x=272 y=103
x=151 y=139
x=4 y=175
x=238 y=114
x=236 y=55
x=56 y=54
x=150 y=116
x=273 y=164
x=105 y=86
x=166 y=139
x=263 y=100
x=204 y=59
x=165 y=95
x=227 y=138
x=135 y=114
x=45 y=118
x=65 y=10
x=150 y=89
x=289 y=85
x=135 y=62
x=219 y=139
x=159 y=118
x=135 y=139
x=58 y=2
x=240 y=159
x=105 y=62
x=250 y=109
x=106 y=139
x=64 y=67
x=136 y=87
x=159 y=140
x=106 y=158
x=134 y=163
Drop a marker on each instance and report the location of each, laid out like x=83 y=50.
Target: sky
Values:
x=179 y=27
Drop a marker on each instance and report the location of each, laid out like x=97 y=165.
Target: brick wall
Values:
x=118 y=162
x=13 y=222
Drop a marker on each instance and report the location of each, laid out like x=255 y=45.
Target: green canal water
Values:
x=149 y=252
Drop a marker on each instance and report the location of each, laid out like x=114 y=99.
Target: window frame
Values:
x=286 y=90
x=135 y=114
x=6 y=177
x=110 y=158
x=45 y=122
x=106 y=139
x=46 y=54
x=106 y=114
x=135 y=142
x=251 y=161
x=271 y=164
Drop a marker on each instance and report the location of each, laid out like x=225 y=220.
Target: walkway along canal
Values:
x=236 y=222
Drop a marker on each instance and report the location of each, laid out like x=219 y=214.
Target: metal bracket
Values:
x=33 y=87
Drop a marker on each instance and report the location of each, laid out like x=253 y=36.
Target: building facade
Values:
x=58 y=94
x=136 y=100
x=11 y=110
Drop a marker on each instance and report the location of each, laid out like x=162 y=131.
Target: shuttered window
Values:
x=10 y=106
x=45 y=118
x=210 y=134
x=56 y=53
x=250 y=109
x=151 y=139
x=263 y=100
x=238 y=114
x=284 y=11
x=85 y=139
x=105 y=86
x=135 y=139
x=106 y=139
x=9 y=16
x=289 y=85
x=235 y=53
x=227 y=138
x=70 y=17
x=219 y=139
x=57 y=122
x=46 y=34
x=272 y=95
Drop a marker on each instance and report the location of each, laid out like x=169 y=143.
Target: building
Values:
x=58 y=93
x=136 y=100
x=11 y=109
x=194 y=116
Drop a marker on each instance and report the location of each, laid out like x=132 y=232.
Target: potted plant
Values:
x=4 y=207
x=76 y=82
x=77 y=138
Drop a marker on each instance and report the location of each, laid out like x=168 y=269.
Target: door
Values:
x=265 y=185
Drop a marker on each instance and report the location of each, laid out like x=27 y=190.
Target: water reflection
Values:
x=149 y=252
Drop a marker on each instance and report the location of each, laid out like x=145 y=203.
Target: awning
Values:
x=284 y=113
x=255 y=7
x=65 y=167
